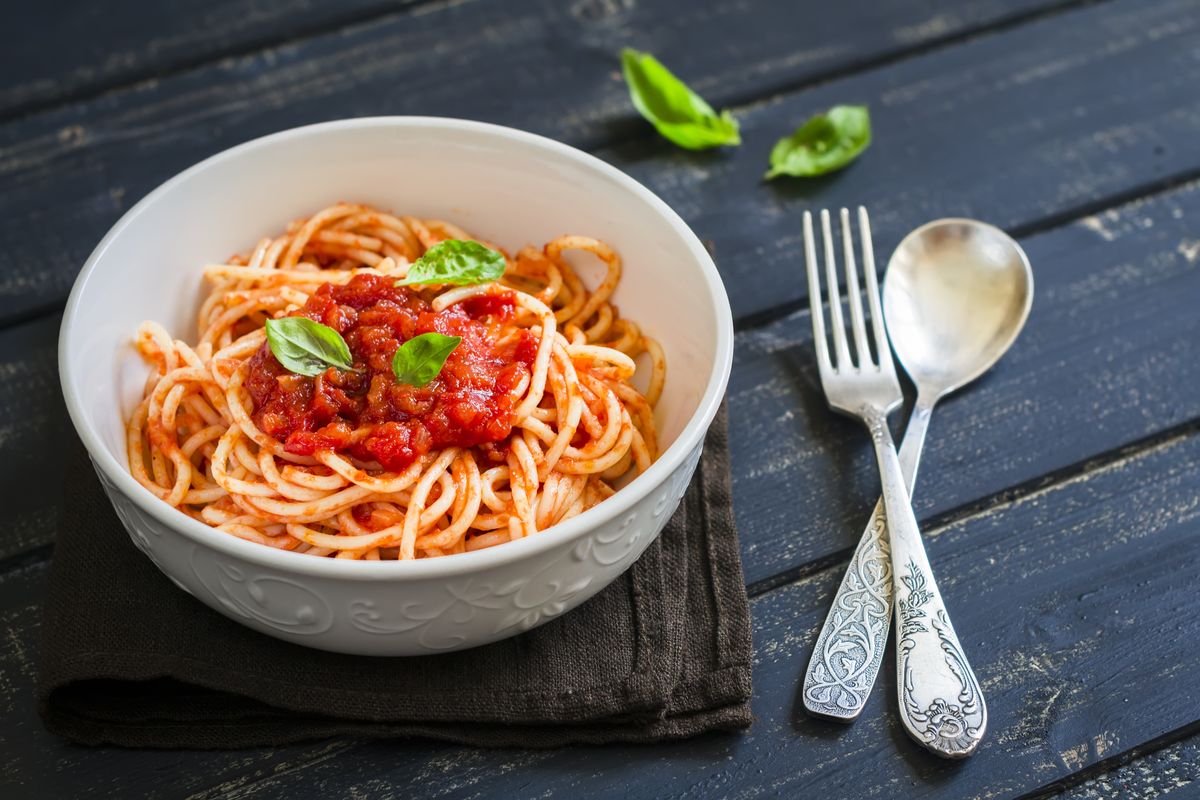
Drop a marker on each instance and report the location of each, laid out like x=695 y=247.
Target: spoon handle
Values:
x=849 y=649
x=941 y=704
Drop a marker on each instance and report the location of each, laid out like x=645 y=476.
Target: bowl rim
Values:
x=562 y=534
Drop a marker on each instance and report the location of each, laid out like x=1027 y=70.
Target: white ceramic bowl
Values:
x=509 y=186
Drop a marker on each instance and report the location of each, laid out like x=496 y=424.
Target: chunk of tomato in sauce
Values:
x=366 y=413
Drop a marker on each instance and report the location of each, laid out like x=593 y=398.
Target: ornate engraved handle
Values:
x=849 y=649
x=941 y=704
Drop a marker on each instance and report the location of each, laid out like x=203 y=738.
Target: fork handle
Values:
x=941 y=704
x=849 y=648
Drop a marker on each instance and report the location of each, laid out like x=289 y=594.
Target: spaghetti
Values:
x=530 y=422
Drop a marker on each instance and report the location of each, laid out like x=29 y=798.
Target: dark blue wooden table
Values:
x=1061 y=495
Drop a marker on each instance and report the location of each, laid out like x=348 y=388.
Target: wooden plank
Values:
x=69 y=173
x=1106 y=359
x=97 y=45
x=1075 y=603
x=1173 y=771
x=98 y=48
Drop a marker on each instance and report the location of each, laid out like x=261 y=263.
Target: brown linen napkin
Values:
x=662 y=653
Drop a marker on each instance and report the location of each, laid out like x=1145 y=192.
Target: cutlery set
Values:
x=956 y=294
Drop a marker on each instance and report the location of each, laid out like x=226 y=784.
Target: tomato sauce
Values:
x=370 y=416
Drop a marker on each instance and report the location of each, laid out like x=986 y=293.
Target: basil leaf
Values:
x=419 y=360
x=460 y=262
x=306 y=347
x=676 y=111
x=825 y=143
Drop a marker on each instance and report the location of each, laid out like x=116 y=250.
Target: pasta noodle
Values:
x=532 y=421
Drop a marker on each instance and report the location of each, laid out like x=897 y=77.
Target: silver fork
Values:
x=941 y=704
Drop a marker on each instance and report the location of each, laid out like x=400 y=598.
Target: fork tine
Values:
x=814 y=296
x=854 y=296
x=835 y=298
x=868 y=257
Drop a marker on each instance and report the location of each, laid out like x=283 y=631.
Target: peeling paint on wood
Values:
x=1173 y=771
x=98 y=47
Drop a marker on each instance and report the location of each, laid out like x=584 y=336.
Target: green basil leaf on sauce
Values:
x=825 y=143
x=419 y=360
x=676 y=111
x=460 y=262
x=306 y=347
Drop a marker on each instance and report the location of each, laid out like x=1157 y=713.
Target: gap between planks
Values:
x=768 y=94
x=186 y=64
x=1112 y=763
x=1079 y=214
x=760 y=319
x=931 y=45
x=1023 y=492
x=419 y=7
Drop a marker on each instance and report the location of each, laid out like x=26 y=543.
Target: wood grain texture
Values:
x=1062 y=130
x=98 y=46
x=57 y=49
x=1173 y=771
x=1072 y=603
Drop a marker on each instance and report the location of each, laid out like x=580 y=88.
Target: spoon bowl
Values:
x=956 y=294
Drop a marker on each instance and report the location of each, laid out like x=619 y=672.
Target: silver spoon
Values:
x=956 y=295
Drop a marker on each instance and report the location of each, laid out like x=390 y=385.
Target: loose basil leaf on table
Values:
x=306 y=347
x=419 y=360
x=825 y=143
x=676 y=111
x=460 y=262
